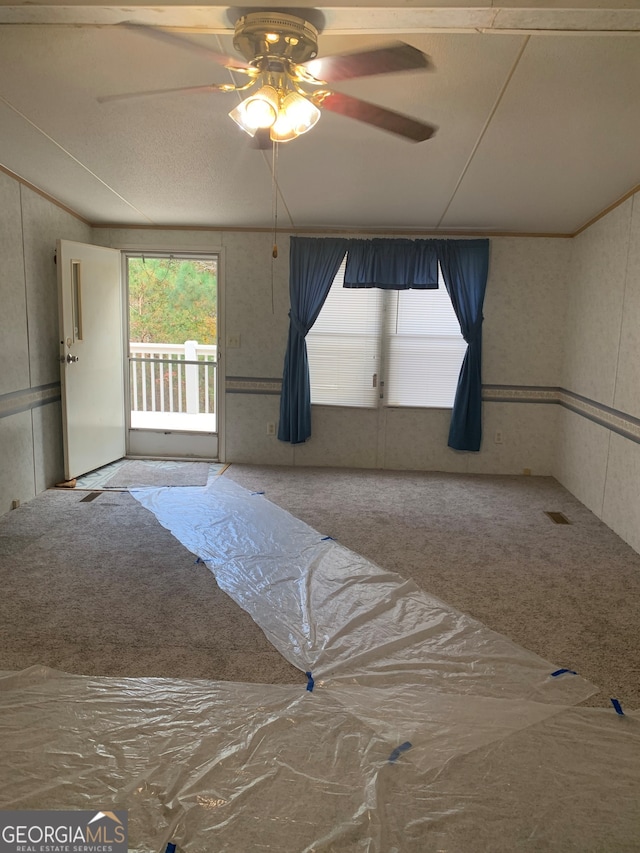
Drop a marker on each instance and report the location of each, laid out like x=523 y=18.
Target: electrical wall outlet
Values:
x=271 y=429
x=233 y=341
x=498 y=437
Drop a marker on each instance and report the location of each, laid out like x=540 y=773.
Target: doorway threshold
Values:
x=99 y=479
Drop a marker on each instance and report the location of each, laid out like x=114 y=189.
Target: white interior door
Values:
x=91 y=356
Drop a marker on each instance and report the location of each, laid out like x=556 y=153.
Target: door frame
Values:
x=187 y=253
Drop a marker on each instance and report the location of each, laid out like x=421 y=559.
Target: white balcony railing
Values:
x=173 y=386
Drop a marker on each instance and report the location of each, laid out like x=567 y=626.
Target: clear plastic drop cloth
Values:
x=340 y=616
x=236 y=768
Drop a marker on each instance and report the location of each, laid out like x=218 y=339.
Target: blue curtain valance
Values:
x=392 y=264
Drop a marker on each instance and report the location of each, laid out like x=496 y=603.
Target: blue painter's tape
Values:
x=203 y=560
x=397 y=752
x=618 y=707
x=562 y=671
x=324 y=538
x=257 y=493
x=171 y=848
x=310 y=682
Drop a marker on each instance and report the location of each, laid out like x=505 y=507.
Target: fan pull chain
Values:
x=274 y=196
x=274 y=210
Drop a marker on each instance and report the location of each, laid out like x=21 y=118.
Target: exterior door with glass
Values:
x=174 y=409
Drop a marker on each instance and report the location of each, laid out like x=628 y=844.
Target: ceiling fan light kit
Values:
x=275 y=44
x=284 y=111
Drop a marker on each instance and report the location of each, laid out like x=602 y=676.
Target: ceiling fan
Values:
x=287 y=84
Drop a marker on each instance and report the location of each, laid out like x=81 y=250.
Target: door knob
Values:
x=70 y=359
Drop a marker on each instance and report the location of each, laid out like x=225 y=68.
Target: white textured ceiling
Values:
x=538 y=110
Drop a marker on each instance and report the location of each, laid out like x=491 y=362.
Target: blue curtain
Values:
x=392 y=264
x=465 y=267
x=313 y=264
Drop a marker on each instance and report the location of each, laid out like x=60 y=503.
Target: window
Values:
x=398 y=347
x=344 y=346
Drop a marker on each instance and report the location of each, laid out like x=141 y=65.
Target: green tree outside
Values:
x=172 y=300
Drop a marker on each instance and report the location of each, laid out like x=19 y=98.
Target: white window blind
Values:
x=344 y=347
x=425 y=348
x=411 y=339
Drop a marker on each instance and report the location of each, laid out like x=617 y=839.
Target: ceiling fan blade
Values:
x=396 y=56
x=405 y=126
x=167 y=37
x=184 y=90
